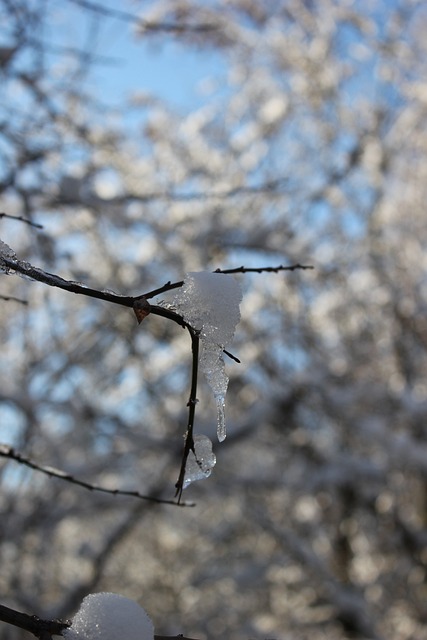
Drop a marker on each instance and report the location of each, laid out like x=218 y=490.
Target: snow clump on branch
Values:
x=109 y=616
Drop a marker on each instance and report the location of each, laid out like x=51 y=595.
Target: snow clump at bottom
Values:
x=209 y=302
x=109 y=616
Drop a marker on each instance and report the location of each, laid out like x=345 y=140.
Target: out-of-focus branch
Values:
x=8 y=452
x=125 y=16
x=13 y=299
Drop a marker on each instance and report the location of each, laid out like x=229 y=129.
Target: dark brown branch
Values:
x=11 y=454
x=281 y=267
x=21 y=219
x=27 y=269
x=35 y=273
x=189 y=440
x=45 y=629
x=169 y=286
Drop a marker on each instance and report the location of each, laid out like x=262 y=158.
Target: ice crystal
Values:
x=209 y=302
x=201 y=462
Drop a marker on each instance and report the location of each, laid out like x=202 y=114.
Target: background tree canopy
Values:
x=306 y=143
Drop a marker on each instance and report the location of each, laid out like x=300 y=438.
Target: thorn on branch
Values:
x=230 y=355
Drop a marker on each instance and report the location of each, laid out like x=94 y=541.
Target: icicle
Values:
x=199 y=466
x=220 y=412
x=210 y=303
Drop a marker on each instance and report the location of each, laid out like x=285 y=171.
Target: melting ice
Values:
x=210 y=303
x=200 y=464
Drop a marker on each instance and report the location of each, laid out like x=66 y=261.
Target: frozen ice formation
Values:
x=109 y=616
x=209 y=302
x=199 y=466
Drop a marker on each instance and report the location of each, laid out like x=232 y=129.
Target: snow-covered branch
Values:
x=105 y=616
x=208 y=306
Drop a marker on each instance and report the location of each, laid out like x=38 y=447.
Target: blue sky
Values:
x=157 y=65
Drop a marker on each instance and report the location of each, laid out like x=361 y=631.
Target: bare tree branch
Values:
x=8 y=452
x=21 y=219
x=35 y=273
x=45 y=629
x=125 y=16
x=189 y=440
x=176 y=285
x=142 y=308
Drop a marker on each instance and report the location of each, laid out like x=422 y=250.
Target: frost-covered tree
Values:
x=306 y=144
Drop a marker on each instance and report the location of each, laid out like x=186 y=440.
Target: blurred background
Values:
x=150 y=138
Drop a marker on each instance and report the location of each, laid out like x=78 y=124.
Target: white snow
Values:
x=209 y=302
x=109 y=616
x=5 y=252
x=199 y=466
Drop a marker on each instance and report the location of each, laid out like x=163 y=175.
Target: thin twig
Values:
x=280 y=267
x=169 y=286
x=189 y=440
x=8 y=452
x=125 y=16
x=21 y=219
x=13 y=299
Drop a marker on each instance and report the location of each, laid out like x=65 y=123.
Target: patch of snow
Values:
x=109 y=616
x=209 y=302
x=6 y=253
